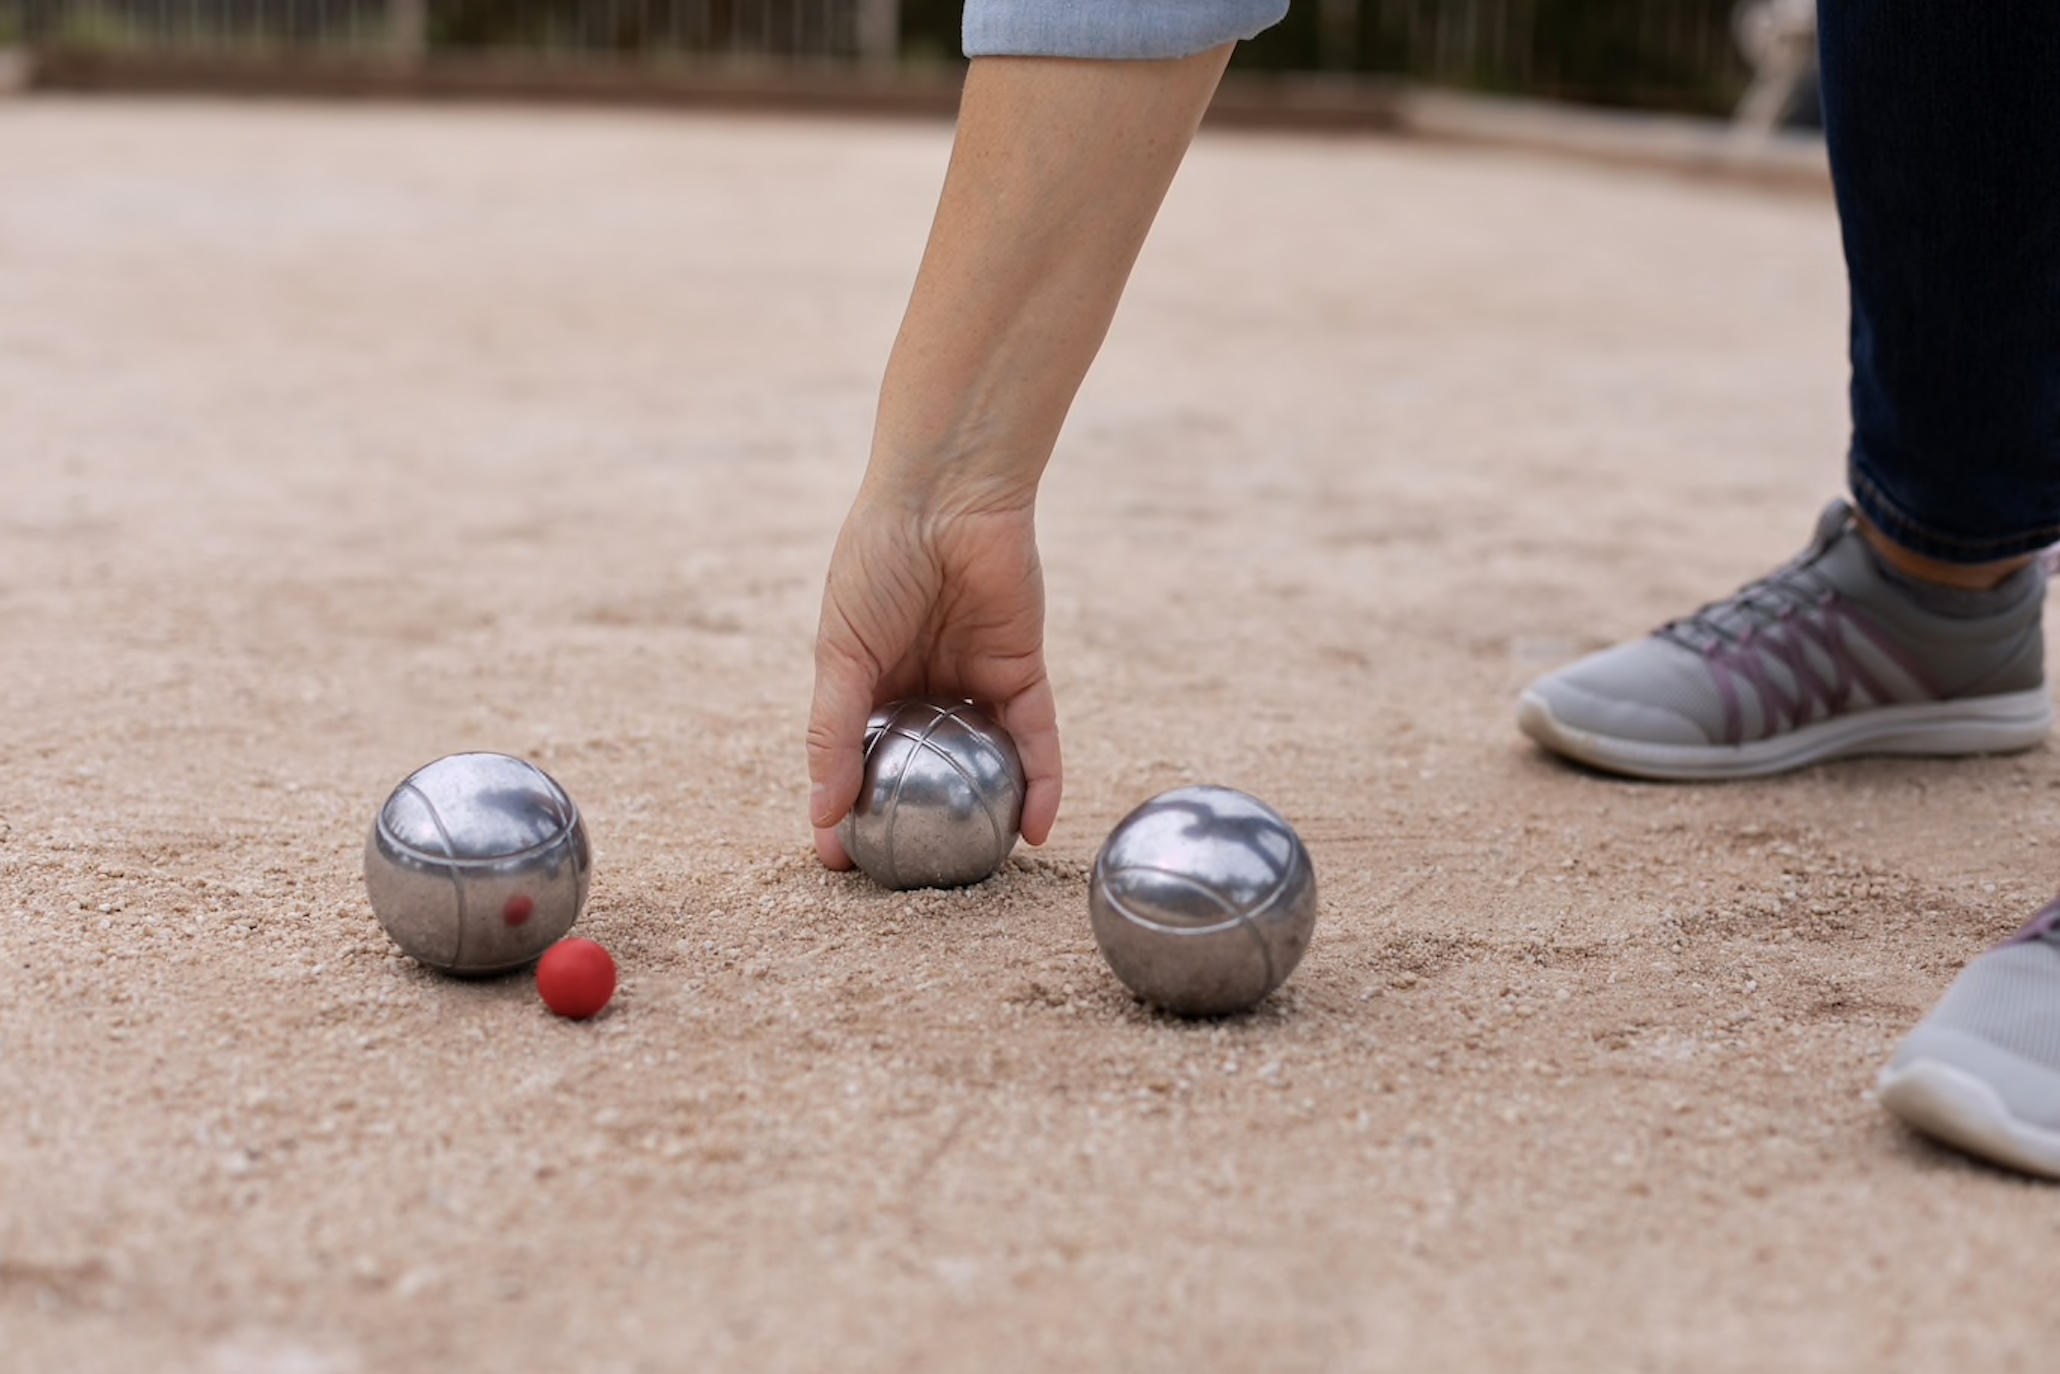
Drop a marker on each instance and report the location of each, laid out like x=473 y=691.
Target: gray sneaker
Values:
x=1982 y=1072
x=1830 y=655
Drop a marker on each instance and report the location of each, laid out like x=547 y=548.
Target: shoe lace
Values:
x=1751 y=610
x=1795 y=586
x=1792 y=619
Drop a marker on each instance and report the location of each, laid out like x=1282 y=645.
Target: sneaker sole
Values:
x=1954 y=1106
x=2002 y=724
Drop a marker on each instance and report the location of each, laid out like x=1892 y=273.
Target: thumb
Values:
x=836 y=747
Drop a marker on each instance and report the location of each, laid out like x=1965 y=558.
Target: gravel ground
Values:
x=338 y=438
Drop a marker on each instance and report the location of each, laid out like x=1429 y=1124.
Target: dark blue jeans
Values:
x=1943 y=120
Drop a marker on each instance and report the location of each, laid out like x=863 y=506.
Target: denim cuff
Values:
x=2012 y=532
x=1133 y=29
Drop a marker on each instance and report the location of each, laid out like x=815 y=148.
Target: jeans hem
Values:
x=1927 y=542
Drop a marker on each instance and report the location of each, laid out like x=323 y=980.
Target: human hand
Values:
x=1057 y=169
x=923 y=602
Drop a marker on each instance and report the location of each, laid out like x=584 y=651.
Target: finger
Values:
x=830 y=849
x=1032 y=721
x=843 y=699
x=1040 y=809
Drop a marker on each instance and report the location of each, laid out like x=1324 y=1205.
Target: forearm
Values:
x=1057 y=171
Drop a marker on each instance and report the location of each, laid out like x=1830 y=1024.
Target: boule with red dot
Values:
x=477 y=864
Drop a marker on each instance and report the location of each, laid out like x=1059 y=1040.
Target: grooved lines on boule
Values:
x=926 y=744
x=1245 y=920
x=450 y=859
x=941 y=790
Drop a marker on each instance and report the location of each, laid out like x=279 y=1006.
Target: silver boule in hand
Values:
x=942 y=801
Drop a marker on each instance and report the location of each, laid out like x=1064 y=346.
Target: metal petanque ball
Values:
x=477 y=864
x=1203 y=900
x=942 y=798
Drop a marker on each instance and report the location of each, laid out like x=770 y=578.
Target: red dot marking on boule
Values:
x=575 y=978
x=517 y=910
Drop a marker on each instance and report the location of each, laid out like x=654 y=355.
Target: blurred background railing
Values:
x=1649 y=54
x=1673 y=55
x=788 y=30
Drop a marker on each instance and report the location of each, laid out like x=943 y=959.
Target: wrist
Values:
x=952 y=475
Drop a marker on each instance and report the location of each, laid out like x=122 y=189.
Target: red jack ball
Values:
x=575 y=978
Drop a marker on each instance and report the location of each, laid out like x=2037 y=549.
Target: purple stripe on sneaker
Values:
x=1727 y=693
x=1896 y=652
x=1851 y=672
x=1833 y=630
x=1812 y=689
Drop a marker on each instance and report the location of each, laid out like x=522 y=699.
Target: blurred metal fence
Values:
x=820 y=30
x=1668 y=54
x=1662 y=54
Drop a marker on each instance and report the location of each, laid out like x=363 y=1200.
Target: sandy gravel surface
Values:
x=335 y=439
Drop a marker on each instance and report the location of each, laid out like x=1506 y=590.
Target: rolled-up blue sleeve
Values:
x=1112 y=28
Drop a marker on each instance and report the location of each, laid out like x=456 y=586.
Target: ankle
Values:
x=1965 y=577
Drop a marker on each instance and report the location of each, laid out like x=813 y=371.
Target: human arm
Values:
x=1057 y=171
